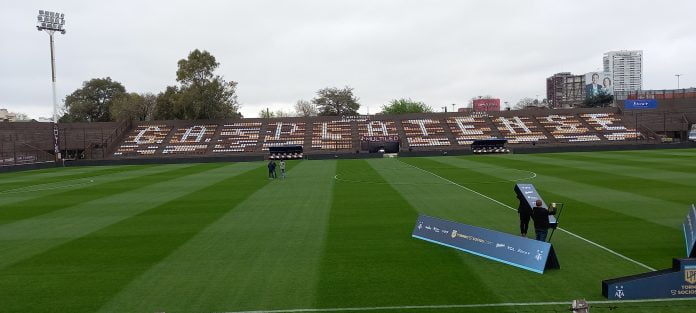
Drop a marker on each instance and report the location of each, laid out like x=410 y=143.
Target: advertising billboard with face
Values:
x=486 y=105
x=598 y=84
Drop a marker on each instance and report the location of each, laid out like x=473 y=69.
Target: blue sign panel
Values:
x=640 y=104
x=528 y=254
x=677 y=282
x=690 y=232
x=530 y=195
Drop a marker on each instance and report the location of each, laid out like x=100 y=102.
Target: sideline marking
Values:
x=559 y=228
x=456 y=306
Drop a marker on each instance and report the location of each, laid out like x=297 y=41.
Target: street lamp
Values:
x=52 y=22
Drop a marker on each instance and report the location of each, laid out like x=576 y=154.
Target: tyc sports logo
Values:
x=690 y=274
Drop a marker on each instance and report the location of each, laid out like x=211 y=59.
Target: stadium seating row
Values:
x=341 y=134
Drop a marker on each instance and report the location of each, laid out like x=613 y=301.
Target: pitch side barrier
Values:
x=676 y=282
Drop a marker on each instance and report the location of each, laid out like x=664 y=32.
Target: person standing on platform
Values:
x=540 y=215
x=525 y=213
x=282 y=169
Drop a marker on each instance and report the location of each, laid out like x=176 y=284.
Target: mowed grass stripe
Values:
x=38 y=182
x=582 y=265
x=28 y=237
x=42 y=205
x=638 y=161
x=263 y=254
x=29 y=194
x=614 y=220
x=653 y=171
x=370 y=258
x=669 y=191
x=19 y=176
x=83 y=274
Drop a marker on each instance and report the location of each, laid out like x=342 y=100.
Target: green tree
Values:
x=266 y=114
x=92 y=102
x=335 y=101
x=201 y=94
x=134 y=107
x=402 y=106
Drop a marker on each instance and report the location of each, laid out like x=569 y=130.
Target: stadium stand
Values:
x=466 y=129
x=332 y=135
x=567 y=128
x=376 y=128
x=190 y=140
x=438 y=132
x=611 y=127
x=284 y=133
x=425 y=133
x=238 y=137
x=145 y=140
x=519 y=129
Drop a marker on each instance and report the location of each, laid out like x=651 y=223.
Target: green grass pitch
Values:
x=336 y=234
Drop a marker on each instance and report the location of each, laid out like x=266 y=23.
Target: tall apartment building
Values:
x=625 y=68
x=565 y=90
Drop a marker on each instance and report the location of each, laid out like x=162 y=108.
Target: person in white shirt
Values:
x=282 y=169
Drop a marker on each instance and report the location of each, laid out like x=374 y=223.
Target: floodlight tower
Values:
x=52 y=22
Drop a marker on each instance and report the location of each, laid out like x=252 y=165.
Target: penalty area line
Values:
x=457 y=306
x=559 y=228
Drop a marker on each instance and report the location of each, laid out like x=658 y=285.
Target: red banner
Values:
x=486 y=105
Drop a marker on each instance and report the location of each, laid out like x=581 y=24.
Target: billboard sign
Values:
x=598 y=84
x=677 y=282
x=486 y=105
x=689 y=227
x=640 y=104
x=529 y=254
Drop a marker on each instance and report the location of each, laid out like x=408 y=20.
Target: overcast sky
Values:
x=439 y=52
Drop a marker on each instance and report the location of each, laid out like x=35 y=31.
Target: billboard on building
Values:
x=486 y=105
x=598 y=84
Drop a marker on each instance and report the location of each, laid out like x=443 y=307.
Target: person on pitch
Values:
x=525 y=213
x=540 y=215
x=271 y=169
x=282 y=168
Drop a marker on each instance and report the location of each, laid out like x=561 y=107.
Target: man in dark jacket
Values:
x=525 y=213
x=540 y=215
x=271 y=169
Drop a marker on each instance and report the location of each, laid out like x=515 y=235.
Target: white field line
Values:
x=559 y=228
x=456 y=306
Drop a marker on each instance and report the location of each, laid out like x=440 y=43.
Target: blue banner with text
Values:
x=677 y=282
x=690 y=232
x=640 y=104
x=529 y=254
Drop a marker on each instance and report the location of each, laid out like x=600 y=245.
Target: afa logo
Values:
x=690 y=274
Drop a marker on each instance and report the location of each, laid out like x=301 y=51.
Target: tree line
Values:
x=200 y=93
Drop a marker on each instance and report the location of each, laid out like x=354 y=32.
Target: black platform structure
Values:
x=528 y=196
x=285 y=152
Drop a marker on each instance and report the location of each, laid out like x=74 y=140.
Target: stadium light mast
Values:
x=678 y=75
x=52 y=22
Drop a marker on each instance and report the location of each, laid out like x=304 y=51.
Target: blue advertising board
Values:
x=530 y=195
x=529 y=254
x=640 y=104
x=677 y=282
x=690 y=232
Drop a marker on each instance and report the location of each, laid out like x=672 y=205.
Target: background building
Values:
x=625 y=68
x=6 y=116
x=565 y=90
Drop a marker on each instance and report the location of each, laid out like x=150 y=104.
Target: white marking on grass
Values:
x=559 y=228
x=457 y=306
